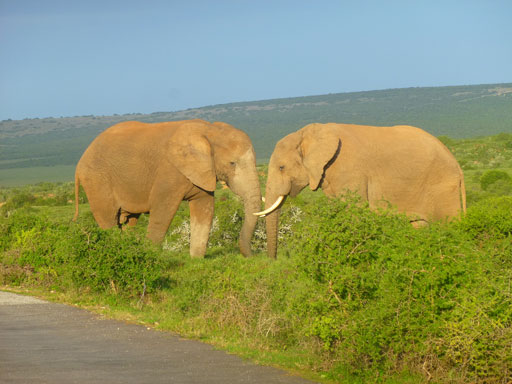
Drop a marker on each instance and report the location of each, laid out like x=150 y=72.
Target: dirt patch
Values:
x=500 y=91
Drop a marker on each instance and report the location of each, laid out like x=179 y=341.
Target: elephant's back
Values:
x=130 y=139
x=125 y=147
x=384 y=134
x=137 y=133
x=398 y=147
x=427 y=142
x=395 y=139
x=129 y=132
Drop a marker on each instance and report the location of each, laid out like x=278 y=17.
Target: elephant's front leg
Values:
x=201 y=216
x=160 y=218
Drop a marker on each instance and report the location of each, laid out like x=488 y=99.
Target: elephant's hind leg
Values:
x=130 y=219
x=105 y=211
x=419 y=223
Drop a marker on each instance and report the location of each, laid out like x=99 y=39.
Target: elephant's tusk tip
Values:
x=271 y=209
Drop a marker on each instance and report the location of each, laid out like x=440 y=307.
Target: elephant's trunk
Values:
x=246 y=184
x=272 y=224
x=251 y=204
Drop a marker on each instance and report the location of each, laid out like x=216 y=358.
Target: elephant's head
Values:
x=298 y=160
x=219 y=152
x=235 y=162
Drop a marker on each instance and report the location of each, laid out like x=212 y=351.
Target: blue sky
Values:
x=76 y=57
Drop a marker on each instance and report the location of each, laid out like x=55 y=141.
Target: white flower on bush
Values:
x=285 y=228
x=215 y=225
x=235 y=218
x=183 y=232
x=296 y=214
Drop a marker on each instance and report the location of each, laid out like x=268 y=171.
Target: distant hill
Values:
x=458 y=112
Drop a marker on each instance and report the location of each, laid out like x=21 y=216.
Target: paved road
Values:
x=42 y=342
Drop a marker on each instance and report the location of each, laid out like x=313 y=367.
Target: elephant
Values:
x=400 y=165
x=134 y=167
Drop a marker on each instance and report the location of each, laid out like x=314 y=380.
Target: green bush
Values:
x=446 y=140
x=80 y=256
x=394 y=296
x=227 y=221
x=490 y=218
x=506 y=137
x=41 y=194
x=489 y=178
x=18 y=200
x=112 y=261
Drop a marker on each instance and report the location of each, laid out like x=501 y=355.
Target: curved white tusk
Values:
x=270 y=209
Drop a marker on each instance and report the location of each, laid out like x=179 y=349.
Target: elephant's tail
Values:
x=77 y=191
x=462 y=191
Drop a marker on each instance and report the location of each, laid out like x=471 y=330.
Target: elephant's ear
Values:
x=318 y=147
x=192 y=155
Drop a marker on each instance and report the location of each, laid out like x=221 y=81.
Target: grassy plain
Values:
x=13 y=177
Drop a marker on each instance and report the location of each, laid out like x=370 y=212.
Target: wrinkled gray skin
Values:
x=401 y=165
x=133 y=168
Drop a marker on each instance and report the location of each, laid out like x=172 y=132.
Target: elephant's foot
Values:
x=196 y=254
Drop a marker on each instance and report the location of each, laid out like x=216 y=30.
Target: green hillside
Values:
x=458 y=112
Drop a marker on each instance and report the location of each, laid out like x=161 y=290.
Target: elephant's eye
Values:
x=281 y=168
x=232 y=163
